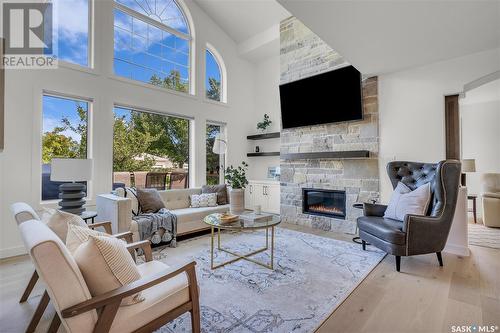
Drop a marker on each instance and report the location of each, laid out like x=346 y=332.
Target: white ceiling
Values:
x=385 y=36
x=243 y=19
x=485 y=93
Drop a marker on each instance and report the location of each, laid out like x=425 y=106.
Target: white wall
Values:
x=267 y=100
x=20 y=161
x=411 y=107
x=481 y=140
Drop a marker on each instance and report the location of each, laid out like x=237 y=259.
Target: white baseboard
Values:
x=12 y=252
x=457 y=249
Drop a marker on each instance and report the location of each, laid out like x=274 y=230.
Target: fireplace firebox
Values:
x=322 y=202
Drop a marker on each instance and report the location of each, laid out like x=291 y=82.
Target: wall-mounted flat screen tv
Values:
x=329 y=97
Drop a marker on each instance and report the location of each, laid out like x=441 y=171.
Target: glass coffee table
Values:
x=241 y=225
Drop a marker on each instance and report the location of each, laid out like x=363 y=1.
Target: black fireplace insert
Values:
x=322 y=202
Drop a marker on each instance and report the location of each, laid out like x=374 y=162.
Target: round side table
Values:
x=357 y=239
x=88 y=215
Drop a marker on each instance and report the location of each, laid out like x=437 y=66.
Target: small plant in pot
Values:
x=236 y=179
x=264 y=124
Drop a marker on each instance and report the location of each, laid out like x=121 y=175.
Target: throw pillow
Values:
x=149 y=200
x=58 y=222
x=129 y=192
x=404 y=201
x=221 y=191
x=203 y=200
x=78 y=235
x=106 y=264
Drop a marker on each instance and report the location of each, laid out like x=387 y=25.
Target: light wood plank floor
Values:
x=422 y=298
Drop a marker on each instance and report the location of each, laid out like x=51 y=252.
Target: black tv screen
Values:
x=325 y=98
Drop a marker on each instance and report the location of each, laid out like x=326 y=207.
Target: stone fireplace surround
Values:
x=303 y=54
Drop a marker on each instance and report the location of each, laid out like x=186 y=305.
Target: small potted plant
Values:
x=264 y=124
x=237 y=181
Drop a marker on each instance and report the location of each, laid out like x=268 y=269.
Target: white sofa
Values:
x=118 y=210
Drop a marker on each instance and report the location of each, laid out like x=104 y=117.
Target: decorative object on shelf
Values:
x=257 y=149
x=237 y=180
x=220 y=148
x=273 y=172
x=264 y=124
x=72 y=170
x=468 y=165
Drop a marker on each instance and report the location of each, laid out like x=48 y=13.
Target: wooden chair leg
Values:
x=194 y=296
x=398 y=263
x=29 y=287
x=440 y=258
x=44 y=301
x=54 y=325
x=363 y=243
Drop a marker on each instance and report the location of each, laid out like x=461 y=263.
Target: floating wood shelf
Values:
x=274 y=153
x=327 y=155
x=264 y=136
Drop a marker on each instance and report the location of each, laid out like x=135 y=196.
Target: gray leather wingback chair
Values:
x=416 y=234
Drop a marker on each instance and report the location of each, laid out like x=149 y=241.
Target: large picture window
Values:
x=150 y=150
x=72 y=19
x=152 y=43
x=64 y=135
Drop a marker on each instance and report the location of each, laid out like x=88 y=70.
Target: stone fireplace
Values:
x=330 y=203
x=309 y=160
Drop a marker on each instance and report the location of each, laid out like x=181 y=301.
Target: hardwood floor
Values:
x=422 y=298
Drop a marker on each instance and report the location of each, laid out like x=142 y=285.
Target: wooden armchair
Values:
x=168 y=292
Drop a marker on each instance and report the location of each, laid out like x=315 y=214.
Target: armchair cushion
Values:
x=78 y=235
x=404 y=201
x=159 y=299
x=387 y=229
x=106 y=265
x=58 y=222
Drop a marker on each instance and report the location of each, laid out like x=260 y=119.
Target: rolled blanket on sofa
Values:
x=150 y=223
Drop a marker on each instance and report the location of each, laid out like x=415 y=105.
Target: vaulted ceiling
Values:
x=386 y=36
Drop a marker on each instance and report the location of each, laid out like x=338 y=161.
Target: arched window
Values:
x=215 y=87
x=153 y=43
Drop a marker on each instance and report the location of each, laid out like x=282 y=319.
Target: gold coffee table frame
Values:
x=239 y=226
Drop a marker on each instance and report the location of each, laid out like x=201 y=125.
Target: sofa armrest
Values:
x=116 y=209
x=370 y=209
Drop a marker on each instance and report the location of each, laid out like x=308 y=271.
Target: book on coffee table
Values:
x=252 y=217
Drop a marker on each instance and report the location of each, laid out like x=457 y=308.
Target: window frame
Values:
x=188 y=37
x=90 y=67
x=223 y=75
x=223 y=160
x=90 y=102
x=190 y=121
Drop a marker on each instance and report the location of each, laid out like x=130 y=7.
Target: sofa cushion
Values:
x=159 y=299
x=176 y=199
x=149 y=200
x=197 y=214
x=106 y=265
x=386 y=229
x=203 y=200
x=131 y=193
x=221 y=191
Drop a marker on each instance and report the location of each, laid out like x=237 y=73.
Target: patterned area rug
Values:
x=483 y=236
x=312 y=276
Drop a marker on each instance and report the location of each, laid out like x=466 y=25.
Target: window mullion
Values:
x=149 y=20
